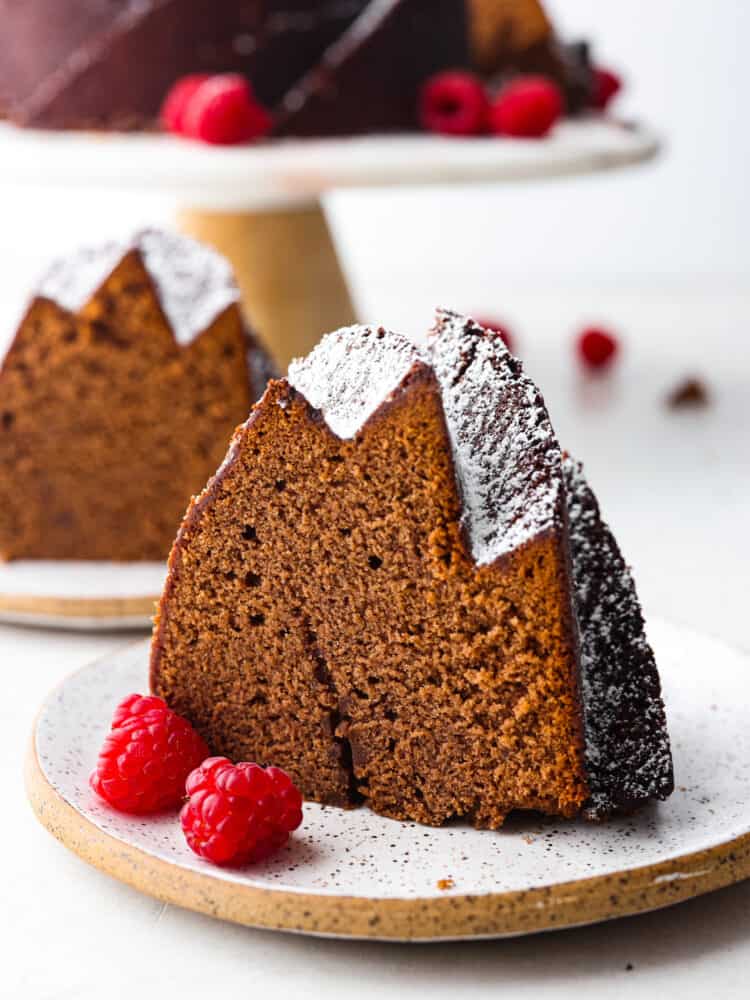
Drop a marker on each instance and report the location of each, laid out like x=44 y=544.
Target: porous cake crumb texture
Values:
x=375 y=592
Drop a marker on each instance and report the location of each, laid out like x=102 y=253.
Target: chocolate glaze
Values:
x=628 y=758
x=332 y=68
x=369 y=79
x=112 y=67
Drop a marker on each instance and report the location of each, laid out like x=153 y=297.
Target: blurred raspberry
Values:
x=526 y=107
x=453 y=103
x=223 y=111
x=597 y=348
x=606 y=86
x=180 y=93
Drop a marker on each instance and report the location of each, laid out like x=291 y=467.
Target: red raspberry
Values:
x=597 y=348
x=180 y=93
x=239 y=812
x=505 y=335
x=453 y=103
x=606 y=85
x=147 y=755
x=135 y=705
x=223 y=111
x=527 y=107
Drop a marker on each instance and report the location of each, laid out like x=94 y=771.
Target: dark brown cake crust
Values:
x=628 y=758
x=108 y=425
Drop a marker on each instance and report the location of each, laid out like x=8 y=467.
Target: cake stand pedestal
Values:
x=287 y=269
x=262 y=205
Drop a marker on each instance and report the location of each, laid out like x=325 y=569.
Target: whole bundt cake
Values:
x=400 y=590
x=334 y=67
x=129 y=370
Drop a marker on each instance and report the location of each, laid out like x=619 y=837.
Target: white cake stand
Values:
x=260 y=205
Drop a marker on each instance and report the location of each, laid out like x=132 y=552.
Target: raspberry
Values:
x=505 y=335
x=453 y=103
x=239 y=812
x=223 y=111
x=527 y=107
x=606 y=85
x=597 y=347
x=147 y=755
x=180 y=93
x=134 y=705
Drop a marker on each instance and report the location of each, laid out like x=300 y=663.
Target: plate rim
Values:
x=50 y=608
x=452 y=917
x=72 y=607
x=79 y=614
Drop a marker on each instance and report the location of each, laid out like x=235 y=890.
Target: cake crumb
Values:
x=445 y=883
x=629 y=967
x=689 y=392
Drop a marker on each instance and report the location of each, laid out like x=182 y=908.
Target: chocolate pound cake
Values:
x=335 y=67
x=127 y=375
x=399 y=590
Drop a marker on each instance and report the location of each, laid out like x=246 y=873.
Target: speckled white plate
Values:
x=80 y=595
x=355 y=874
x=282 y=172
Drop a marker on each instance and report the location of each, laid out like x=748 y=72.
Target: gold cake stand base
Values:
x=288 y=271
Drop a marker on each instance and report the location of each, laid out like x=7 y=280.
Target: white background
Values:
x=658 y=252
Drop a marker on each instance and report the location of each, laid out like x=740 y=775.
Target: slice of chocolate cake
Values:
x=395 y=589
x=127 y=374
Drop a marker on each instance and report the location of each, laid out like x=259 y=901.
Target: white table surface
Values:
x=676 y=486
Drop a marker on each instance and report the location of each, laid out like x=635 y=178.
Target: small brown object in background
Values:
x=120 y=392
x=445 y=883
x=690 y=392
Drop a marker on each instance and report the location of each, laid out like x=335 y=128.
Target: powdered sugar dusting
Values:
x=505 y=452
x=628 y=757
x=194 y=283
x=351 y=373
x=72 y=280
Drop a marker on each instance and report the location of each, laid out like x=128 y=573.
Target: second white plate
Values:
x=80 y=595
